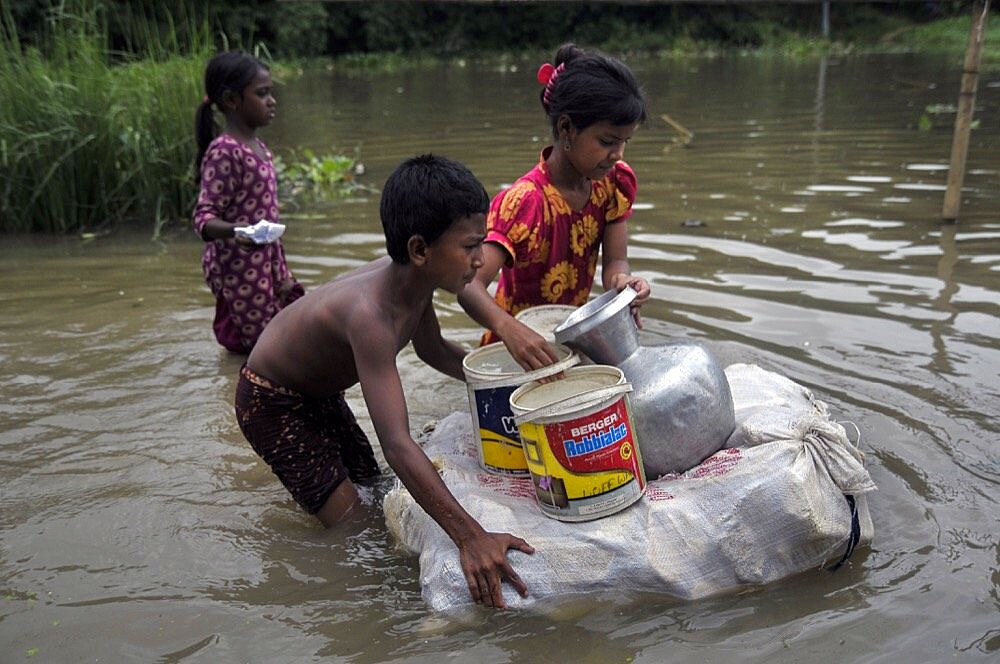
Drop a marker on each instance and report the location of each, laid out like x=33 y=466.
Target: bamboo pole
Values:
x=966 y=106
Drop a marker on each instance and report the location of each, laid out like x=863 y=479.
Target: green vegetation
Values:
x=302 y=29
x=92 y=136
x=99 y=95
x=86 y=143
x=950 y=35
x=311 y=178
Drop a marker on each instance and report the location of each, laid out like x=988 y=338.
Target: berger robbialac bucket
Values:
x=579 y=443
x=491 y=374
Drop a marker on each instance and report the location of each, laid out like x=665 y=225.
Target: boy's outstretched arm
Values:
x=440 y=353
x=483 y=555
x=526 y=346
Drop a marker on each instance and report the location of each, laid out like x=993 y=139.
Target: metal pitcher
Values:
x=682 y=406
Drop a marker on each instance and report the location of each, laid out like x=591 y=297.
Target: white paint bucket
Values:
x=545 y=318
x=579 y=443
x=491 y=374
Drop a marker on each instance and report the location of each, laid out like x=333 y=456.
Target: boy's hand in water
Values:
x=485 y=565
x=640 y=286
x=527 y=347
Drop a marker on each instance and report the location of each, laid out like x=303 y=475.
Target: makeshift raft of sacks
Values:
x=647 y=469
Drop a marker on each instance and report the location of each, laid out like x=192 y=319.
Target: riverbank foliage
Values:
x=97 y=122
x=96 y=119
x=90 y=135
x=303 y=29
x=948 y=35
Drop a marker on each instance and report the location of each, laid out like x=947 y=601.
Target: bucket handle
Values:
x=590 y=398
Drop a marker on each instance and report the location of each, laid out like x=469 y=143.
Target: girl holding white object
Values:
x=238 y=188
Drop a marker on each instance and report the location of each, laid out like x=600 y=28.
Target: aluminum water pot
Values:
x=682 y=407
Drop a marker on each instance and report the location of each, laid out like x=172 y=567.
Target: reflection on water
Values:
x=799 y=231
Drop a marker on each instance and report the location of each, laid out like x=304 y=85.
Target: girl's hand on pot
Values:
x=640 y=286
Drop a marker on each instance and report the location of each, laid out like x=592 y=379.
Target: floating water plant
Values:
x=306 y=175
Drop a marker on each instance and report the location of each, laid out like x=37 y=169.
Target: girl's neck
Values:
x=574 y=187
x=239 y=131
x=562 y=172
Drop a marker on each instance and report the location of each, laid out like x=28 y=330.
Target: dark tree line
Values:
x=311 y=28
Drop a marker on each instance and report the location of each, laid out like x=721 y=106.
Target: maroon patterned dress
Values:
x=239 y=186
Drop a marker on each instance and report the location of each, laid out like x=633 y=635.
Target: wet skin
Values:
x=349 y=331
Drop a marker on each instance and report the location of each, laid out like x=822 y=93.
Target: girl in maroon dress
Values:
x=238 y=187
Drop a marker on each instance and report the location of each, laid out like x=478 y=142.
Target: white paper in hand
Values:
x=262 y=232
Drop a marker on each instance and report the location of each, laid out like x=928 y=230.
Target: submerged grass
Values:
x=305 y=177
x=90 y=137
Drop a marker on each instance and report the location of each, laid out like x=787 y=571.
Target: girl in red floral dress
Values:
x=544 y=233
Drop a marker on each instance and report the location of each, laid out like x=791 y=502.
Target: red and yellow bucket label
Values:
x=583 y=460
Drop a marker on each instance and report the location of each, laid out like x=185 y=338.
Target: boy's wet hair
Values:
x=424 y=196
x=231 y=71
x=592 y=88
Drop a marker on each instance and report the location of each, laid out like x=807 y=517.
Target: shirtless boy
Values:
x=289 y=400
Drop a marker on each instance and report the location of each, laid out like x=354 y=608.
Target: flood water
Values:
x=799 y=230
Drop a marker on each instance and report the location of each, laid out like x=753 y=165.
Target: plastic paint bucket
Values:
x=579 y=443
x=545 y=318
x=491 y=374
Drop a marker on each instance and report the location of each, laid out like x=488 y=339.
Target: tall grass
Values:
x=91 y=137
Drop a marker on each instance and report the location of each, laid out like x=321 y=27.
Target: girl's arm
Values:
x=527 y=347
x=615 y=272
x=217 y=229
x=218 y=176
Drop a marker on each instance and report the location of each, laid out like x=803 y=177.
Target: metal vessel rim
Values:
x=593 y=313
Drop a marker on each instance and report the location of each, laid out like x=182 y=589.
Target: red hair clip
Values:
x=545 y=73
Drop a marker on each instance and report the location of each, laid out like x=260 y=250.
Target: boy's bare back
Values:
x=311 y=347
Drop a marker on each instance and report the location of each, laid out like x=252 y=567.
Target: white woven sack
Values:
x=753 y=514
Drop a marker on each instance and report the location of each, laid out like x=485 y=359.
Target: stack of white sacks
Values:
x=786 y=494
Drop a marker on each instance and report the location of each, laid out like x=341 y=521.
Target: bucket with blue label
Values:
x=492 y=374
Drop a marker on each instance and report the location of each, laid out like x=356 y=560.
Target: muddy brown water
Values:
x=799 y=230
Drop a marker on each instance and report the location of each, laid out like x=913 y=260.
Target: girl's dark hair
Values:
x=424 y=196
x=226 y=72
x=592 y=87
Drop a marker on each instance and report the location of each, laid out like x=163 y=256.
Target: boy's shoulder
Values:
x=356 y=296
